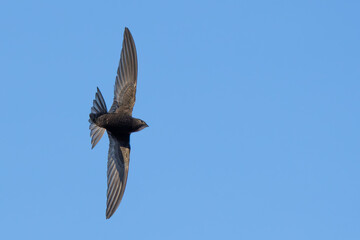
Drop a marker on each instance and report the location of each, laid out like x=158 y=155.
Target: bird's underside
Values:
x=118 y=122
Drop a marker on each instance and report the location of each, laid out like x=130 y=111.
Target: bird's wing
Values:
x=126 y=79
x=117 y=171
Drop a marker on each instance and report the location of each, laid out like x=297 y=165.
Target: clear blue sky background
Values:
x=253 y=109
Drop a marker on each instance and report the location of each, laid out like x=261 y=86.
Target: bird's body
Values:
x=118 y=122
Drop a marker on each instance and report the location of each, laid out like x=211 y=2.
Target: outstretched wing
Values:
x=117 y=171
x=125 y=83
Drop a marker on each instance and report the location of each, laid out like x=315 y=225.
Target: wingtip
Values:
x=127 y=32
x=108 y=214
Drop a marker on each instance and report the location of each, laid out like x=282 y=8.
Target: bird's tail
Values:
x=98 y=109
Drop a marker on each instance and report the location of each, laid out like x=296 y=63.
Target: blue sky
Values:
x=253 y=109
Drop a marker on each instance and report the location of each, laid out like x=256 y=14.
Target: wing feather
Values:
x=126 y=79
x=117 y=172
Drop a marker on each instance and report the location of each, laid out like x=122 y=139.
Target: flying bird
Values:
x=118 y=123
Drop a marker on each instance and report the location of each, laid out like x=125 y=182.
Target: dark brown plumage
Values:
x=118 y=123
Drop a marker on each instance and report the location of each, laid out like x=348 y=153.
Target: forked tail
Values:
x=98 y=109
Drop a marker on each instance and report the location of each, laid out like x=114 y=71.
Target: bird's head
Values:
x=139 y=125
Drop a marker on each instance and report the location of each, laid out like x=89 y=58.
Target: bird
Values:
x=118 y=123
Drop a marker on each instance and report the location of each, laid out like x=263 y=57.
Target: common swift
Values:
x=118 y=123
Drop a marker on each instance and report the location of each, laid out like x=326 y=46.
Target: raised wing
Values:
x=126 y=79
x=117 y=171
